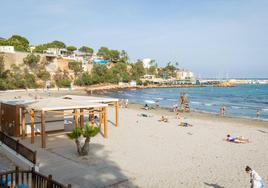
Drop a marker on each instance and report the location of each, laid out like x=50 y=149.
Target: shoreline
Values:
x=202 y=116
x=218 y=115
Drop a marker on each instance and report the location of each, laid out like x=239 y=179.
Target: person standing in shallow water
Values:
x=255 y=180
x=222 y=110
x=258 y=113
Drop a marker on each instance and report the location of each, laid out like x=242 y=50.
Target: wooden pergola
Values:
x=92 y=99
x=56 y=105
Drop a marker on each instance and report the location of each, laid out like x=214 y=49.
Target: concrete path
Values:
x=60 y=159
x=5 y=163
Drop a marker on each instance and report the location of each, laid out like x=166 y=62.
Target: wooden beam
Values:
x=100 y=116
x=116 y=113
x=23 y=123
x=43 y=131
x=75 y=118
x=105 y=123
x=32 y=126
x=82 y=118
x=92 y=119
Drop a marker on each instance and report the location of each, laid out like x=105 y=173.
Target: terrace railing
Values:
x=28 y=179
x=19 y=148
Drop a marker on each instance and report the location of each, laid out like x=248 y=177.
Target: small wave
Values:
x=194 y=102
x=207 y=104
x=159 y=98
x=172 y=99
x=265 y=109
x=236 y=107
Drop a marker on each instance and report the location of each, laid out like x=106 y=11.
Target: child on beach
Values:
x=255 y=180
x=146 y=107
x=238 y=140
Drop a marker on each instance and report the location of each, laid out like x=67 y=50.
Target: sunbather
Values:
x=238 y=140
x=163 y=119
x=183 y=124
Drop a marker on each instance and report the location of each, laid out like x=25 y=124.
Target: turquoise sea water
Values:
x=241 y=101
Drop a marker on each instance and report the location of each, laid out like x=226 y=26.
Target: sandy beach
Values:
x=173 y=156
x=157 y=154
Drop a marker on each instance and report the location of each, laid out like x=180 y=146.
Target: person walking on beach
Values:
x=126 y=103
x=258 y=113
x=222 y=110
x=255 y=180
x=157 y=103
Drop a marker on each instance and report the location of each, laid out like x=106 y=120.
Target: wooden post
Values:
x=43 y=129
x=34 y=157
x=92 y=119
x=49 y=181
x=75 y=118
x=33 y=178
x=32 y=126
x=16 y=176
x=23 y=122
x=105 y=123
x=116 y=113
x=100 y=116
x=82 y=118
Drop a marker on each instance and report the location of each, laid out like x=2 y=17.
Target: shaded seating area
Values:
x=45 y=115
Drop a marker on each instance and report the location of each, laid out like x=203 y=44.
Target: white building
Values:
x=7 y=49
x=184 y=75
x=147 y=63
x=56 y=51
x=133 y=83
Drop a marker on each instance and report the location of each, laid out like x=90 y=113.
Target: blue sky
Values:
x=210 y=37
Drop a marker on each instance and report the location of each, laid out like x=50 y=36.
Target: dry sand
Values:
x=166 y=155
x=156 y=154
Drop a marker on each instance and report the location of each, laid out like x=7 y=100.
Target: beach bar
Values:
x=22 y=117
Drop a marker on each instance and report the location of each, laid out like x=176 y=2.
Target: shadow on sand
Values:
x=96 y=170
x=213 y=185
x=112 y=123
x=263 y=131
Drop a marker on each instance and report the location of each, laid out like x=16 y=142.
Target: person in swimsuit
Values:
x=238 y=139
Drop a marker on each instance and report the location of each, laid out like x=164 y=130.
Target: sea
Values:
x=239 y=101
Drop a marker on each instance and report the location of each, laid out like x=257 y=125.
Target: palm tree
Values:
x=79 y=133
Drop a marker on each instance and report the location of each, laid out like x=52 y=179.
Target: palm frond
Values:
x=76 y=133
x=89 y=131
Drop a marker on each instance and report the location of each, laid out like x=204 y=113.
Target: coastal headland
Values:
x=115 y=87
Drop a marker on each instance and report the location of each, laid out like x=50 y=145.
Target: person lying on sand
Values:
x=163 y=119
x=183 y=124
x=144 y=115
x=239 y=139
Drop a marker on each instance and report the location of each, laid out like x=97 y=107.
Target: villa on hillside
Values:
x=7 y=49
x=182 y=77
